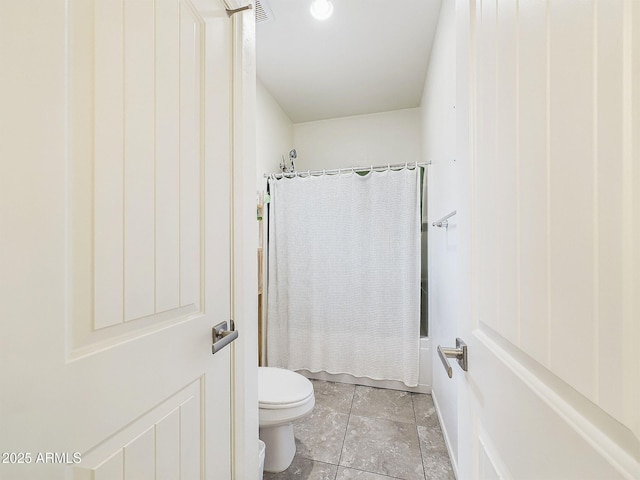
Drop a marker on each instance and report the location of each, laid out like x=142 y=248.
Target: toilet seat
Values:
x=279 y=389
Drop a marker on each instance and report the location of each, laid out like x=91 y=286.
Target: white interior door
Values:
x=548 y=225
x=115 y=251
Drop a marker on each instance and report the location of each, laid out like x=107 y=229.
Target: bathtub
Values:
x=424 y=378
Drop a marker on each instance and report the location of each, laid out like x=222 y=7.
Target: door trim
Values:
x=244 y=233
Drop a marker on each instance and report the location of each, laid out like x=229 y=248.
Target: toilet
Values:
x=283 y=397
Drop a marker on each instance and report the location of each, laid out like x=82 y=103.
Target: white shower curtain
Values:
x=344 y=274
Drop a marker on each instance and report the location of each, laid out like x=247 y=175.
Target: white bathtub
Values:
x=424 y=379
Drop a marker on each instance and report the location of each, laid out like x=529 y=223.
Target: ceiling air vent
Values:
x=263 y=12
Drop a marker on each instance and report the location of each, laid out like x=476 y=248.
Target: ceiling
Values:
x=369 y=56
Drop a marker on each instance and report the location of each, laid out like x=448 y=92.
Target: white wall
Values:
x=274 y=134
x=439 y=146
x=375 y=139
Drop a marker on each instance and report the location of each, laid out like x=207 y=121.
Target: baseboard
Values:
x=452 y=457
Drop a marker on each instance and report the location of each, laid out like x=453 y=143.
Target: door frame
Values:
x=244 y=230
x=467 y=466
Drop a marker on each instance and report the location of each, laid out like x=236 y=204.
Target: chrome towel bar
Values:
x=444 y=221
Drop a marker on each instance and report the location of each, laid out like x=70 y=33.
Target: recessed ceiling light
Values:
x=321 y=9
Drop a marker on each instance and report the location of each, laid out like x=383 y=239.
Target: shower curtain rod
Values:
x=337 y=171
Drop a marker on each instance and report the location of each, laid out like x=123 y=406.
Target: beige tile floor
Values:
x=365 y=433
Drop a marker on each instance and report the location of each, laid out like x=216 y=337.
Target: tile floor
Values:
x=365 y=433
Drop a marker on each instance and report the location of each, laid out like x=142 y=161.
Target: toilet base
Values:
x=280 y=447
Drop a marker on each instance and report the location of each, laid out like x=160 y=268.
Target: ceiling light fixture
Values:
x=321 y=9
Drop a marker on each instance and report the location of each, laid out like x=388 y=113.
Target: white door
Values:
x=115 y=241
x=548 y=227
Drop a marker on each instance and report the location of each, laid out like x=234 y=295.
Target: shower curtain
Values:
x=344 y=274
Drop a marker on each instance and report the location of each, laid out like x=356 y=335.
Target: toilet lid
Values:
x=278 y=387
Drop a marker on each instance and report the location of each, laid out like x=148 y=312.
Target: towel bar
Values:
x=444 y=221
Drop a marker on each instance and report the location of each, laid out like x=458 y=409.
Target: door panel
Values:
x=533 y=225
x=572 y=260
x=108 y=175
x=120 y=249
x=549 y=195
x=142 y=221
x=138 y=159
x=163 y=442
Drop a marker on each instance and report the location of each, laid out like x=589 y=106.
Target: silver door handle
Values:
x=459 y=353
x=223 y=337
